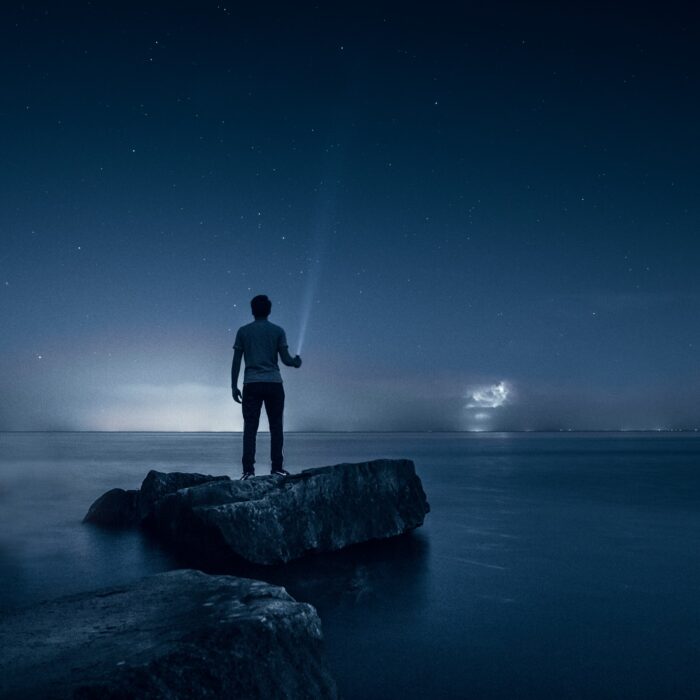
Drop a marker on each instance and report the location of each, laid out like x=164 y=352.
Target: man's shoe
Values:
x=247 y=475
x=279 y=472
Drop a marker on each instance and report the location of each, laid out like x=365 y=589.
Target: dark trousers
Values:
x=254 y=395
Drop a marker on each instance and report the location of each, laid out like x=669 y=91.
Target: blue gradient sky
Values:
x=464 y=199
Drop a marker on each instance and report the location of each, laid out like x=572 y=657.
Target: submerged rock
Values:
x=116 y=508
x=181 y=634
x=268 y=519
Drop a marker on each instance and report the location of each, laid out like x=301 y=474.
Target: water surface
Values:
x=551 y=565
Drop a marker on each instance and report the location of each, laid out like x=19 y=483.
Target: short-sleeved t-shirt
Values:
x=261 y=341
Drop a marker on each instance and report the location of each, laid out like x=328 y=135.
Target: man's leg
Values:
x=274 y=407
x=252 y=403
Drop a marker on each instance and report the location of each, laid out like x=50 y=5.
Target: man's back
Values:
x=260 y=342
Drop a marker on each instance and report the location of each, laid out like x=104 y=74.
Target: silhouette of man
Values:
x=259 y=343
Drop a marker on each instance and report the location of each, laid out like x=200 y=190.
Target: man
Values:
x=259 y=343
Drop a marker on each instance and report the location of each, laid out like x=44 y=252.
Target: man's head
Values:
x=260 y=306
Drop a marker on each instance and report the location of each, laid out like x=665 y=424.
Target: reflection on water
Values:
x=549 y=565
x=365 y=575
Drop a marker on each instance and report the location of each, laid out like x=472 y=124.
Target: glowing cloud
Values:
x=491 y=396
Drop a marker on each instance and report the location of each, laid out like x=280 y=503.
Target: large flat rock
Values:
x=270 y=520
x=182 y=634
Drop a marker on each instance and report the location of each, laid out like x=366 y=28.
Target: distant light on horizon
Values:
x=189 y=407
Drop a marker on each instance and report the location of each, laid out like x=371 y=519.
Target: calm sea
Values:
x=551 y=565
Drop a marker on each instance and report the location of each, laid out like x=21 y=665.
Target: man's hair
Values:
x=260 y=306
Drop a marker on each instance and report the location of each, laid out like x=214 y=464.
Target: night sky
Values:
x=489 y=213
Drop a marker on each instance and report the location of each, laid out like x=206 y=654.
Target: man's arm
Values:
x=287 y=359
x=235 y=369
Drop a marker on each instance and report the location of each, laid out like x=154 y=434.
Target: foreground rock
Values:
x=269 y=519
x=181 y=634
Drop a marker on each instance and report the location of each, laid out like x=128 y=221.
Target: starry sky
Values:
x=484 y=215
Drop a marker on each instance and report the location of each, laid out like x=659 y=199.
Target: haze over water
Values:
x=550 y=565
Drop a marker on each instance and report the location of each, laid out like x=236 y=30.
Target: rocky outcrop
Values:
x=120 y=508
x=181 y=634
x=268 y=519
x=157 y=485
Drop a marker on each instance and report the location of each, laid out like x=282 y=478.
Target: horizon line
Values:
x=380 y=432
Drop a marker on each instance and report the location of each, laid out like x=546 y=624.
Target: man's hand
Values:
x=236 y=393
x=297 y=361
